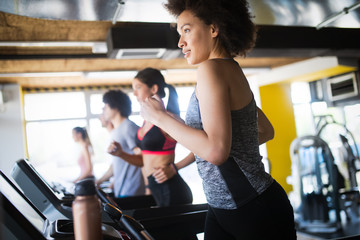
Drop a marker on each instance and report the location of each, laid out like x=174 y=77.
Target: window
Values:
x=50 y=118
x=46 y=106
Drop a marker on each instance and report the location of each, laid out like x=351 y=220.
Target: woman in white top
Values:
x=81 y=136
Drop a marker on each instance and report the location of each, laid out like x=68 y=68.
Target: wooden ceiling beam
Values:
x=71 y=59
x=104 y=64
x=21 y=28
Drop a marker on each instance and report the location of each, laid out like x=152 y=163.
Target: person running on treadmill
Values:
x=224 y=127
x=81 y=136
x=157 y=147
x=128 y=180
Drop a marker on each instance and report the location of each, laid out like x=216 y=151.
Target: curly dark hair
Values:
x=237 y=32
x=119 y=100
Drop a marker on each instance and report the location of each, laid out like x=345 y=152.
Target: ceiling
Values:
x=64 y=42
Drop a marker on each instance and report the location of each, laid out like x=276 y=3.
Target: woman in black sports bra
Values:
x=157 y=147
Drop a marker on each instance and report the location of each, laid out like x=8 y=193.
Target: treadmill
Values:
x=179 y=222
x=161 y=222
x=22 y=220
x=52 y=202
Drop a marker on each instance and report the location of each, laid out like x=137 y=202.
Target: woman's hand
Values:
x=151 y=108
x=115 y=149
x=163 y=174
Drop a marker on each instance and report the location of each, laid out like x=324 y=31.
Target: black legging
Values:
x=269 y=216
x=172 y=192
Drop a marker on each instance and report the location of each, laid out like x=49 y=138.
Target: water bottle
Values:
x=86 y=210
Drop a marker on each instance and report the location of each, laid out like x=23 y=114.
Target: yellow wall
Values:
x=276 y=104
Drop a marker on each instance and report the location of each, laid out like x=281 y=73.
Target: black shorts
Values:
x=172 y=192
x=268 y=216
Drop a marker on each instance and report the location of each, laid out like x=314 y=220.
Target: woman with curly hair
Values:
x=224 y=127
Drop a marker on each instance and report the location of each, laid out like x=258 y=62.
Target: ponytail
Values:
x=84 y=136
x=152 y=76
x=173 y=101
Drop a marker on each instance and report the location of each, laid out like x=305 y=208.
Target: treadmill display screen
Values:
x=38 y=178
x=21 y=204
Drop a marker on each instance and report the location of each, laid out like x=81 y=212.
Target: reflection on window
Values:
x=43 y=106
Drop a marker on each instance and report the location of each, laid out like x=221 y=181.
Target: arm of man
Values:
x=115 y=149
x=107 y=175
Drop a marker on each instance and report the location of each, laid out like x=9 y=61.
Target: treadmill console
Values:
x=53 y=202
x=21 y=209
x=25 y=221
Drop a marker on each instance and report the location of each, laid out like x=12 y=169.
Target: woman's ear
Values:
x=154 y=89
x=214 y=30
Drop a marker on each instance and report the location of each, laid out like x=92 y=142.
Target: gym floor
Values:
x=350 y=230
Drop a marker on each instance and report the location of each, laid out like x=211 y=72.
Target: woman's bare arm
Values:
x=214 y=142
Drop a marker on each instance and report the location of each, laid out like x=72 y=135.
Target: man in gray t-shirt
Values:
x=126 y=176
x=128 y=180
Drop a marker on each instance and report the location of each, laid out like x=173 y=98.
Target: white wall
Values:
x=12 y=146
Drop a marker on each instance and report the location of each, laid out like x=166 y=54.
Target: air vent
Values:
x=342 y=87
x=140 y=53
x=143 y=40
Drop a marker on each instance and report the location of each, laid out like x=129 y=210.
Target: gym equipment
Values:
x=318 y=185
x=22 y=220
x=349 y=159
x=350 y=198
x=53 y=200
x=54 y=204
x=180 y=222
x=134 y=228
x=325 y=186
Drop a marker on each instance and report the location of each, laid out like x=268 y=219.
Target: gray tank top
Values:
x=242 y=177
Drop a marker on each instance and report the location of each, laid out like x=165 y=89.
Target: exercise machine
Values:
x=317 y=185
x=180 y=222
x=22 y=220
x=348 y=157
x=176 y=222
